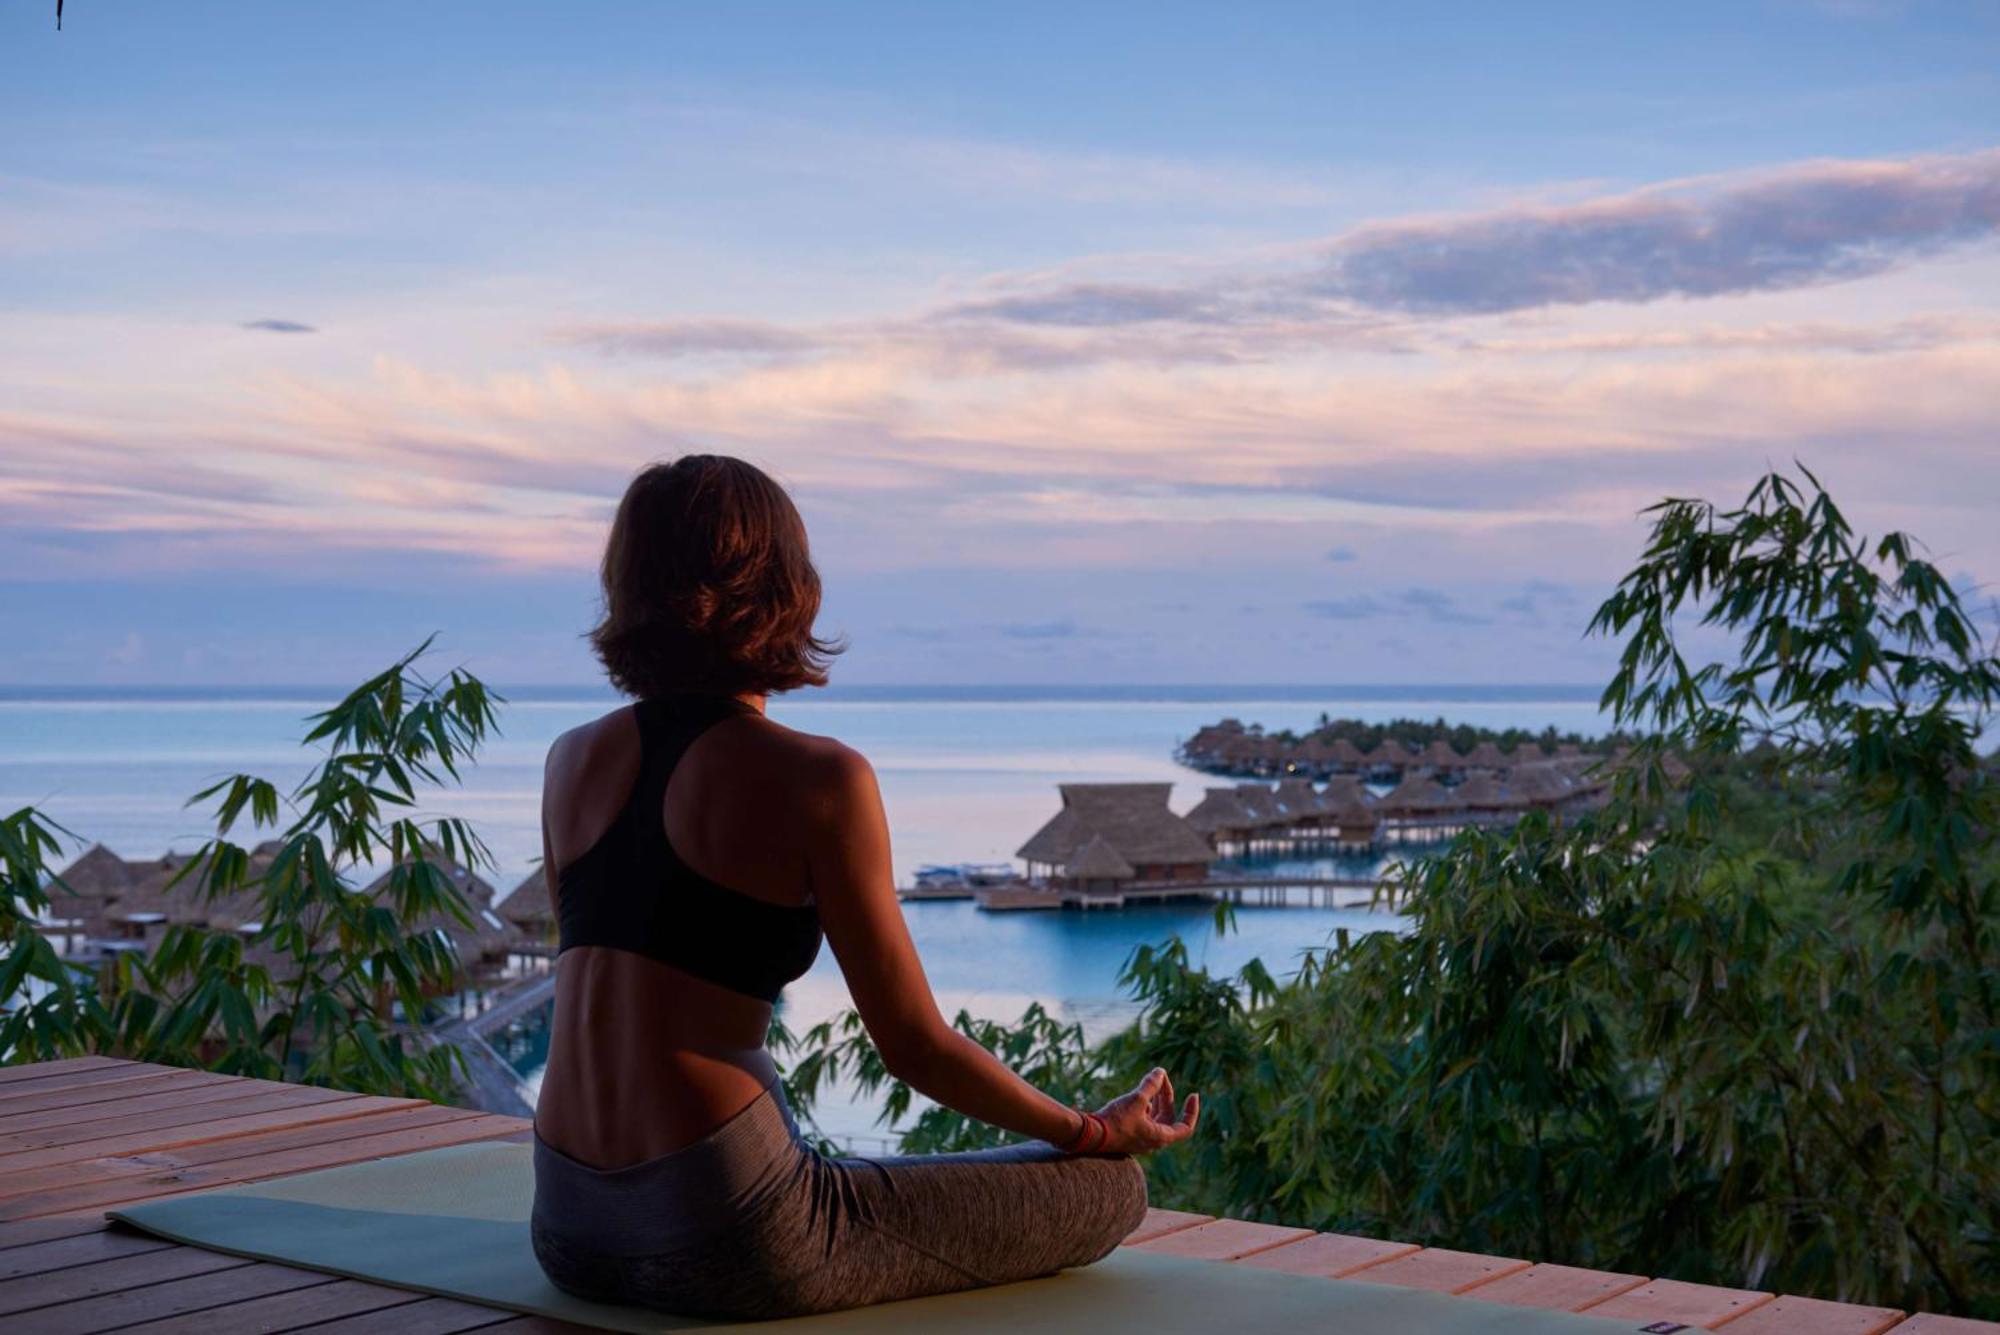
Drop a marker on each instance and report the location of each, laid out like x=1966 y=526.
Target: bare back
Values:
x=646 y=1057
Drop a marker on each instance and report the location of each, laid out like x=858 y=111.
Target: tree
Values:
x=1737 y=1026
x=313 y=993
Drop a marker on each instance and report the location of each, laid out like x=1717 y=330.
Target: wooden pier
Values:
x=1338 y=892
x=80 y=1136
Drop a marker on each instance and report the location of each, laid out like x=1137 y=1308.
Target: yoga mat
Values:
x=454 y=1222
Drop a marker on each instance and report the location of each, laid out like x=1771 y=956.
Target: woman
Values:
x=698 y=852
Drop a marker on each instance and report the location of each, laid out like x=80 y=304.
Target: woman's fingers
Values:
x=1163 y=1099
x=1191 y=1111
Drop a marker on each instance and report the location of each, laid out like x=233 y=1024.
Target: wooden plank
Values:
x=1442 y=1270
x=426 y=1316
x=1672 y=1300
x=1223 y=1239
x=1814 y=1316
x=95 y=1196
x=97 y=1245
x=200 y=1293
x=78 y=1119
x=27 y=1292
x=27 y=1232
x=1158 y=1222
x=1558 y=1288
x=172 y=1115
x=45 y=1070
x=289 y=1310
x=1332 y=1255
x=536 y=1325
x=183 y=1139
x=91 y=1086
x=1928 y=1323
x=398 y=1117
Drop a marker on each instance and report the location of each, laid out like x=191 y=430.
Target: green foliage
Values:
x=54 y=1012
x=1738 y=1026
x=312 y=994
x=1047 y=1052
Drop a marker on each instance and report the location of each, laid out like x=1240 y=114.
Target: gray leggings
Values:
x=749 y=1222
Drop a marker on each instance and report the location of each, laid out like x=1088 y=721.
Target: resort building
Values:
x=1299 y=805
x=482 y=946
x=120 y=903
x=1221 y=819
x=1113 y=834
x=1439 y=757
x=530 y=911
x=1262 y=806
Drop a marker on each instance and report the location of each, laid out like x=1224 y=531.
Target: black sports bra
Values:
x=631 y=891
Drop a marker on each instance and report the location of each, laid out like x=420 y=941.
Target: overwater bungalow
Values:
x=1390 y=757
x=1297 y=800
x=1262 y=804
x=1420 y=801
x=95 y=882
x=1440 y=757
x=1345 y=755
x=153 y=901
x=483 y=946
x=1482 y=796
x=1351 y=809
x=1312 y=757
x=1485 y=756
x=1526 y=753
x=1098 y=869
x=530 y=912
x=1221 y=818
x=1540 y=786
x=1133 y=820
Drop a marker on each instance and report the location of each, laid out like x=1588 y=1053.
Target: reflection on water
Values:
x=967 y=776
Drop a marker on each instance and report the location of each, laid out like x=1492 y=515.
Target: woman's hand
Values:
x=1143 y=1121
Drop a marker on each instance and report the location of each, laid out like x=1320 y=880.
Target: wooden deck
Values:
x=77 y=1137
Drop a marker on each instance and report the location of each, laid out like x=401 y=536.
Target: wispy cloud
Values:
x=1798 y=226
x=1815 y=223
x=279 y=326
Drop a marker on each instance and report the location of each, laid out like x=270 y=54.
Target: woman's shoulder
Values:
x=592 y=742
x=812 y=758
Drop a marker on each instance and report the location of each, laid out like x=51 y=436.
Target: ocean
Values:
x=968 y=774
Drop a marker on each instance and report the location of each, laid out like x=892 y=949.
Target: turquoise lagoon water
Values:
x=967 y=775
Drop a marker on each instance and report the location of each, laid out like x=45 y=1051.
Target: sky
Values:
x=1103 y=343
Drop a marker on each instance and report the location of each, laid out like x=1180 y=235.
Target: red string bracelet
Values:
x=1089 y=1137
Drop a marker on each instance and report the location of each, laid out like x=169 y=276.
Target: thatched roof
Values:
x=1348 y=802
x=1132 y=817
x=1526 y=753
x=1098 y=861
x=1261 y=803
x=1390 y=752
x=1482 y=792
x=1538 y=785
x=1344 y=752
x=1486 y=756
x=528 y=905
x=1440 y=754
x=100 y=874
x=1218 y=810
x=1418 y=795
x=153 y=896
x=1296 y=799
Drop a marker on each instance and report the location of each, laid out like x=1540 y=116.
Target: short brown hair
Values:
x=709 y=585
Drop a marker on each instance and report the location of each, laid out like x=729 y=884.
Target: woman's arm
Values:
x=852 y=881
